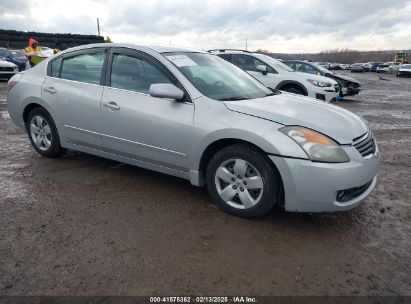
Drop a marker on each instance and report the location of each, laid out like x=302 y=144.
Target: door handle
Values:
x=111 y=105
x=50 y=90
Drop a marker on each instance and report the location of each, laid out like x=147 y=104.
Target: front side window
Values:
x=216 y=78
x=250 y=63
x=84 y=67
x=135 y=74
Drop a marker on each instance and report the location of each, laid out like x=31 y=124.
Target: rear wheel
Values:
x=43 y=133
x=242 y=181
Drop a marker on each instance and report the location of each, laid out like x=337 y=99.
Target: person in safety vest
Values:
x=31 y=52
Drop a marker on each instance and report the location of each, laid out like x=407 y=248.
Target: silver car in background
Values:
x=357 y=67
x=193 y=115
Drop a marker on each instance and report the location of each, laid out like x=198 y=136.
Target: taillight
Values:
x=13 y=81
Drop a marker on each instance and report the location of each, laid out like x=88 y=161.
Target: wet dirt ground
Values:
x=83 y=225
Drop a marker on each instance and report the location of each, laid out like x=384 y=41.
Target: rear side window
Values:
x=135 y=74
x=228 y=57
x=84 y=67
x=55 y=67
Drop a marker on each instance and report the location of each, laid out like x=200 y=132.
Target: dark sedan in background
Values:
x=372 y=66
x=348 y=86
x=15 y=56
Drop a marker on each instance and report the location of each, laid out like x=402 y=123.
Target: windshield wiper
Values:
x=274 y=92
x=233 y=98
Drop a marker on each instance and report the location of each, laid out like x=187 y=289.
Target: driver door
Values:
x=138 y=126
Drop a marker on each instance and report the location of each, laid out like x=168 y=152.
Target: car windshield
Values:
x=406 y=66
x=321 y=68
x=274 y=63
x=216 y=78
x=5 y=53
x=18 y=54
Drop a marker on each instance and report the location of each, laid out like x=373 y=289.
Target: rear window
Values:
x=84 y=67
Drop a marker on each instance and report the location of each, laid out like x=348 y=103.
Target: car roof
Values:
x=230 y=51
x=156 y=48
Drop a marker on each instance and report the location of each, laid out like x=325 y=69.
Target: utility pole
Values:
x=246 y=46
x=98 y=27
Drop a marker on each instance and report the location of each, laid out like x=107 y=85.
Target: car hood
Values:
x=313 y=77
x=346 y=78
x=7 y=64
x=290 y=109
x=404 y=70
x=20 y=59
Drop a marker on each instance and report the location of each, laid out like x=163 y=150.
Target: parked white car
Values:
x=394 y=67
x=383 y=68
x=276 y=75
x=7 y=69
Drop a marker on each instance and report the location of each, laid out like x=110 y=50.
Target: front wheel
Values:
x=242 y=181
x=43 y=133
x=294 y=90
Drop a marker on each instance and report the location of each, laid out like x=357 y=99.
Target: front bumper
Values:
x=350 y=91
x=404 y=73
x=328 y=94
x=313 y=187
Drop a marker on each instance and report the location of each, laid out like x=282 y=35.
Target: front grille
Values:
x=365 y=146
x=6 y=69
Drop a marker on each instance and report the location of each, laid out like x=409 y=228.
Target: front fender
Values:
x=257 y=131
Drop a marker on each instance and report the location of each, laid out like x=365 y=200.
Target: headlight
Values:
x=319 y=83
x=317 y=146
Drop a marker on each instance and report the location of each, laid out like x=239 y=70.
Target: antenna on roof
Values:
x=98 y=27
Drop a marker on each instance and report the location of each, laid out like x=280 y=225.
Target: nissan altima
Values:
x=193 y=115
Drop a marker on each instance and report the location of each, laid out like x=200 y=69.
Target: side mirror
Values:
x=166 y=90
x=262 y=68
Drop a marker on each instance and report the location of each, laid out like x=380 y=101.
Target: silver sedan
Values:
x=195 y=116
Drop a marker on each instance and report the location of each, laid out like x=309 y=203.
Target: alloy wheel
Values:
x=239 y=183
x=40 y=132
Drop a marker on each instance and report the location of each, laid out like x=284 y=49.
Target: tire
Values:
x=294 y=90
x=43 y=133
x=241 y=198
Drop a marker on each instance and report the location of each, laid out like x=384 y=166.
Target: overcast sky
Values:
x=276 y=25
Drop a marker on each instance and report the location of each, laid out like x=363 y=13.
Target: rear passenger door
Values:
x=73 y=89
x=138 y=126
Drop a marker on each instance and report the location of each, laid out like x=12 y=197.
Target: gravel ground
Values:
x=83 y=225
